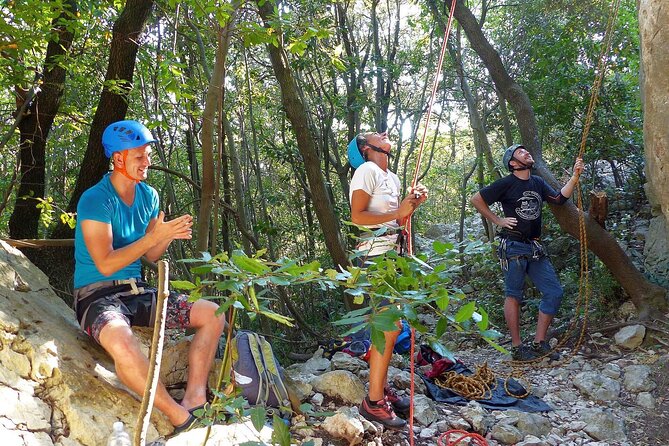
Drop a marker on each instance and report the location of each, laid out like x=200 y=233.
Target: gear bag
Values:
x=257 y=373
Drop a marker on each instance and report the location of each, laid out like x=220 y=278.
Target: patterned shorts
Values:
x=135 y=310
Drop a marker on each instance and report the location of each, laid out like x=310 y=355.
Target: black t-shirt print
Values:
x=522 y=200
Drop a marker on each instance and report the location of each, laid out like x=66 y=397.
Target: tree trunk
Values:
x=297 y=115
x=240 y=193
x=58 y=264
x=214 y=94
x=35 y=125
x=113 y=103
x=647 y=297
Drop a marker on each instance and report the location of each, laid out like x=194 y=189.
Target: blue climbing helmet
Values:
x=354 y=155
x=125 y=135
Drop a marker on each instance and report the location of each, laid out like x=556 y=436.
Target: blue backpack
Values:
x=257 y=373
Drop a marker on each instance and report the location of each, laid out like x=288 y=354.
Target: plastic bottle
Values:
x=119 y=437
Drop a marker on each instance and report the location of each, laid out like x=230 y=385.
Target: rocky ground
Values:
x=615 y=391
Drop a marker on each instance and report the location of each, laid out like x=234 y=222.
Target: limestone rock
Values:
x=637 y=378
x=631 y=336
x=340 y=384
x=344 y=425
x=596 y=386
x=602 y=425
x=45 y=349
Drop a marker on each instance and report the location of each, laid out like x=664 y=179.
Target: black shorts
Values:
x=137 y=310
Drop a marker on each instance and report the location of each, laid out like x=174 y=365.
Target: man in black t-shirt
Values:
x=521 y=195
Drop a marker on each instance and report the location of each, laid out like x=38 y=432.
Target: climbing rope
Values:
x=478 y=386
x=475 y=439
x=407 y=225
x=584 y=288
x=414 y=181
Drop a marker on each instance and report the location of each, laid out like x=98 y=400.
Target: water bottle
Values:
x=119 y=437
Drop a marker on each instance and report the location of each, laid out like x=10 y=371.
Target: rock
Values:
x=317 y=399
x=612 y=371
x=637 y=378
x=506 y=433
x=459 y=424
x=597 y=387
x=428 y=433
x=627 y=309
x=344 y=425
x=340 y=384
x=532 y=424
x=224 y=434
x=41 y=346
x=631 y=336
x=344 y=361
x=401 y=380
x=576 y=426
x=477 y=416
x=602 y=425
x=317 y=364
x=424 y=410
x=645 y=400
x=531 y=440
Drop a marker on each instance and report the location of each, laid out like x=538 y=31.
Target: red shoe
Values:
x=381 y=412
x=400 y=404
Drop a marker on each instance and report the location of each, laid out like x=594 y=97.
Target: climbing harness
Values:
x=538 y=251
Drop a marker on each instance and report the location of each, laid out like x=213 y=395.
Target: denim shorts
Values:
x=539 y=269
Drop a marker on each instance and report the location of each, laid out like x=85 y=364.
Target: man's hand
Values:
x=179 y=228
x=507 y=222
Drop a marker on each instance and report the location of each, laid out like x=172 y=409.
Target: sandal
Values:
x=192 y=410
x=185 y=426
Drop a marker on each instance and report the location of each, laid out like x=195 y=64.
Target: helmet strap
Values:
x=515 y=169
x=122 y=170
x=378 y=149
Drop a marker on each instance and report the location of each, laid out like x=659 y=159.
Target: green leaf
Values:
x=443 y=351
x=386 y=320
x=182 y=285
x=298 y=47
x=465 y=312
x=442 y=300
x=442 y=324
x=280 y=281
x=281 y=434
x=254 y=266
x=378 y=338
x=277 y=317
x=258 y=417
x=441 y=247
x=484 y=322
x=491 y=334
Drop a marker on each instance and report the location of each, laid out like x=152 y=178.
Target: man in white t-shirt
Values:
x=375 y=203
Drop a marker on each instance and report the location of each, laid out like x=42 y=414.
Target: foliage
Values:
x=47 y=208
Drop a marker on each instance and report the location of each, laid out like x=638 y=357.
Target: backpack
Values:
x=257 y=373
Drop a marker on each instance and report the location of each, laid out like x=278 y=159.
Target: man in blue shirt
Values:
x=118 y=222
x=521 y=195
